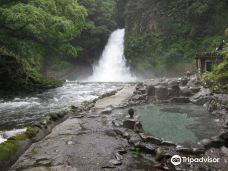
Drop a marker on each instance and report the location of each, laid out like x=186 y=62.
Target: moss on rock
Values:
x=10 y=147
x=16 y=78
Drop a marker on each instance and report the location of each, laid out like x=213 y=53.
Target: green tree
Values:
x=35 y=30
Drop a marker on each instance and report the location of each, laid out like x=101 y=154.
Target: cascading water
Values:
x=112 y=64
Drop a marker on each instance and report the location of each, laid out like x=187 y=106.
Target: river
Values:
x=22 y=112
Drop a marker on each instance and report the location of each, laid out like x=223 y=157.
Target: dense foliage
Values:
x=35 y=30
x=99 y=24
x=217 y=80
x=164 y=35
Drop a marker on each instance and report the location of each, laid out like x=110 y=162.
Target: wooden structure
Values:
x=206 y=60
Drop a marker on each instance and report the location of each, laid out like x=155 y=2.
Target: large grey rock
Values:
x=150 y=139
x=147 y=148
x=107 y=110
x=184 y=150
x=173 y=83
x=214 y=142
x=224 y=136
x=202 y=97
x=151 y=90
x=179 y=100
x=135 y=140
x=161 y=92
x=138 y=127
x=222 y=99
x=186 y=91
x=115 y=162
x=194 y=82
x=174 y=91
x=183 y=81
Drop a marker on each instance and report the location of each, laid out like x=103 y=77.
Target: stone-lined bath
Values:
x=184 y=124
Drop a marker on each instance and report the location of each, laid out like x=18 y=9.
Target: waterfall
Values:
x=112 y=64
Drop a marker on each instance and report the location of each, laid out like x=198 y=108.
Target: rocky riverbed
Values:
x=92 y=138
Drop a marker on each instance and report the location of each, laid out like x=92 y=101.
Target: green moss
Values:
x=31 y=132
x=9 y=148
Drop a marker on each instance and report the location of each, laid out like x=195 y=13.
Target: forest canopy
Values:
x=44 y=23
x=33 y=31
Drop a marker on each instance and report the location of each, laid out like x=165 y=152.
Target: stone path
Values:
x=78 y=144
x=116 y=99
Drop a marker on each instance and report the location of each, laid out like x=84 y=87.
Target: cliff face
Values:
x=164 y=35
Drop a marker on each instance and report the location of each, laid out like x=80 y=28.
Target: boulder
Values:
x=202 y=97
x=199 y=151
x=150 y=139
x=161 y=92
x=134 y=140
x=222 y=99
x=147 y=148
x=190 y=151
x=168 y=143
x=122 y=151
x=179 y=100
x=129 y=123
x=117 y=123
x=195 y=89
x=186 y=91
x=118 y=156
x=138 y=127
x=183 y=81
x=107 y=110
x=173 y=83
x=213 y=142
x=212 y=105
x=222 y=112
x=194 y=82
x=115 y=162
x=151 y=90
x=224 y=136
x=184 y=150
x=138 y=97
x=142 y=90
x=224 y=151
x=162 y=154
x=174 y=91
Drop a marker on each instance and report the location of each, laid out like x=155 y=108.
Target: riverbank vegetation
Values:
x=51 y=34
x=165 y=35
x=217 y=80
x=30 y=32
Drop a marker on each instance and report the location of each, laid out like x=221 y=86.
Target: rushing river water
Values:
x=21 y=112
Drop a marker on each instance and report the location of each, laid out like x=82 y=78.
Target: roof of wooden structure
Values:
x=208 y=55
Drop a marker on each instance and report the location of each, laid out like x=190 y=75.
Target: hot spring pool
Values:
x=180 y=123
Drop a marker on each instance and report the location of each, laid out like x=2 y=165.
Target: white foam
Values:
x=112 y=64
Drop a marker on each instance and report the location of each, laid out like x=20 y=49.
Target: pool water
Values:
x=183 y=124
x=180 y=123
